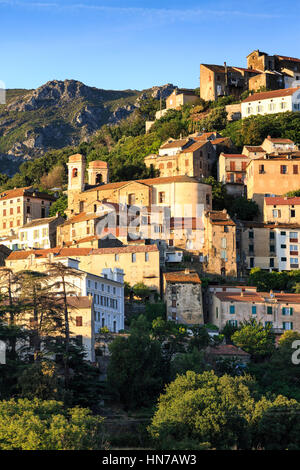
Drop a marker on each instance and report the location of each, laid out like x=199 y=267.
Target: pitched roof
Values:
x=280 y=140
x=195 y=146
x=255 y=148
x=26 y=191
x=175 y=143
x=283 y=201
x=227 y=350
x=283 y=57
x=258 y=297
x=37 y=222
x=69 y=252
x=219 y=140
x=265 y=95
x=148 y=182
x=80 y=302
x=219 y=218
x=182 y=277
x=82 y=217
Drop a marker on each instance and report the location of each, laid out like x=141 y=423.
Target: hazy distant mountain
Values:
x=61 y=113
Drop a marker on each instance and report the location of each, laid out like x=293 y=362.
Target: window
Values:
x=232 y=166
x=251 y=262
x=283 y=259
x=74 y=173
x=187 y=162
x=272 y=235
x=169 y=165
x=251 y=234
x=283 y=169
x=287 y=325
x=207 y=199
x=253 y=309
x=295 y=169
x=251 y=248
x=287 y=311
x=116 y=257
x=161 y=197
x=283 y=247
x=276 y=213
x=283 y=234
x=294 y=263
x=268 y=323
x=131 y=199
x=293 y=213
x=78 y=321
x=259 y=108
x=174 y=303
x=224 y=255
x=133 y=258
x=223 y=242
x=146 y=257
x=272 y=248
x=293 y=249
x=232 y=322
x=232 y=309
x=283 y=105
x=217 y=312
x=271 y=262
x=270 y=310
x=261 y=169
x=293 y=237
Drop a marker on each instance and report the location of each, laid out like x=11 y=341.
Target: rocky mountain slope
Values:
x=59 y=114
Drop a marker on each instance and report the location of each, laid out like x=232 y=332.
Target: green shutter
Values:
x=291 y=311
x=283 y=311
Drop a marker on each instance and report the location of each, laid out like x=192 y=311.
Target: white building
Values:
x=270 y=102
x=39 y=233
x=287 y=247
x=107 y=292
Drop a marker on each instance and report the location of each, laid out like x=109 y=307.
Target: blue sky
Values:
x=116 y=44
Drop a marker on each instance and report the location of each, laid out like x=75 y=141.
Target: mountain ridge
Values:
x=62 y=113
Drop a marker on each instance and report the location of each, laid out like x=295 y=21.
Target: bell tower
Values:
x=98 y=172
x=76 y=171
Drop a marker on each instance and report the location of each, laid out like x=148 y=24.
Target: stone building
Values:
x=183 y=297
x=276 y=71
x=193 y=156
x=282 y=210
x=219 y=252
x=279 y=310
x=180 y=97
x=140 y=263
x=4 y=253
x=222 y=80
x=274 y=174
x=175 y=192
x=232 y=172
x=20 y=206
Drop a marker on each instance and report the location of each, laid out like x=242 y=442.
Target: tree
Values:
x=255 y=339
x=59 y=274
x=39 y=302
x=243 y=208
x=141 y=291
x=46 y=425
x=136 y=371
x=204 y=408
x=182 y=362
x=59 y=206
x=276 y=424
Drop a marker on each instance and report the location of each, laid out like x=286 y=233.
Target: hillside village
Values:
x=159 y=242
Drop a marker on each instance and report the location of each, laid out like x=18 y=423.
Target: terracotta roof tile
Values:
x=283 y=201
x=182 y=277
x=265 y=95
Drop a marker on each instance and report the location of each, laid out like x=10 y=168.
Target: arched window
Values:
x=99 y=178
x=74 y=173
